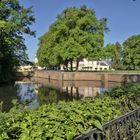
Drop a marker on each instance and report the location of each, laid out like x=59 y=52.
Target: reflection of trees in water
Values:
x=47 y=95
x=34 y=94
x=50 y=95
x=83 y=91
x=26 y=93
x=7 y=94
x=68 y=93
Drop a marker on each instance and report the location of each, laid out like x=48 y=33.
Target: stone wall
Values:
x=87 y=76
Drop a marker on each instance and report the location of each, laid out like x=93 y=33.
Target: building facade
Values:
x=86 y=65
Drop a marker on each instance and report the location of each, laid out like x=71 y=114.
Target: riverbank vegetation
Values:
x=68 y=120
x=15 y=20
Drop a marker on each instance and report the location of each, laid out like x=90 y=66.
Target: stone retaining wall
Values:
x=87 y=76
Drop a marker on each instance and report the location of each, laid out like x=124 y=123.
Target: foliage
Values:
x=67 y=120
x=76 y=34
x=128 y=95
x=57 y=121
x=124 y=90
x=14 y=21
x=114 y=55
x=125 y=56
x=131 y=54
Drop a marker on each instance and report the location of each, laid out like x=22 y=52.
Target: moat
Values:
x=40 y=91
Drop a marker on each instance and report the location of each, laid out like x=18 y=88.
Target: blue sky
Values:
x=123 y=18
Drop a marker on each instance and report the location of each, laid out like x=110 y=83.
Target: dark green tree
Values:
x=131 y=54
x=113 y=55
x=15 y=20
x=76 y=34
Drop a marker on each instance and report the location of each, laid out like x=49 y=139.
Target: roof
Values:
x=103 y=64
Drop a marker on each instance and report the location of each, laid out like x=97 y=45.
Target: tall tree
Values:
x=76 y=34
x=15 y=20
x=131 y=54
x=114 y=55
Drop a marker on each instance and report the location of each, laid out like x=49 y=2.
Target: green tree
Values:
x=114 y=55
x=15 y=20
x=76 y=34
x=131 y=54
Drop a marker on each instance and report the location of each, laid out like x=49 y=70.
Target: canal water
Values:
x=38 y=91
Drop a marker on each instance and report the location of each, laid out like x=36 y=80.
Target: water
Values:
x=40 y=91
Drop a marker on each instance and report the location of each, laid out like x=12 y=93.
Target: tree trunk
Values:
x=97 y=64
x=77 y=65
x=129 y=67
x=71 y=68
x=134 y=67
x=67 y=67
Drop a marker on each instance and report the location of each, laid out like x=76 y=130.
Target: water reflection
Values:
x=78 y=89
x=49 y=95
x=27 y=93
x=7 y=94
x=43 y=91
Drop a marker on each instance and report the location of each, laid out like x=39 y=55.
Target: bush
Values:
x=67 y=120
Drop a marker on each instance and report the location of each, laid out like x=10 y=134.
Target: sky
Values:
x=123 y=18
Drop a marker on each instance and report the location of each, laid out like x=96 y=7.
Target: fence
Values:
x=123 y=128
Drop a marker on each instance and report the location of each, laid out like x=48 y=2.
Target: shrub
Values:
x=67 y=120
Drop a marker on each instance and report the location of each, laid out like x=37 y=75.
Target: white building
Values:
x=25 y=68
x=89 y=65
x=84 y=64
x=38 y=67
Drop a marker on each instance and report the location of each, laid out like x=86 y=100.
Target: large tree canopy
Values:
x=131 y=55
x=15 y=20
x=114 y=55
x=76 y=34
